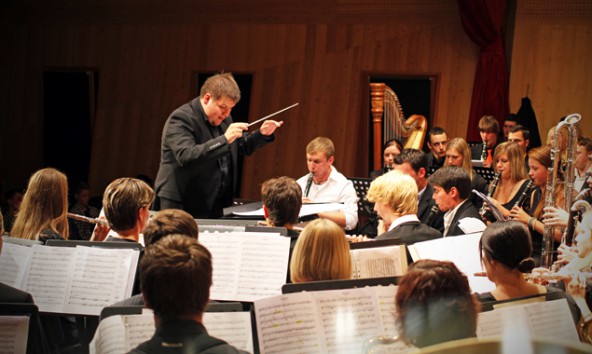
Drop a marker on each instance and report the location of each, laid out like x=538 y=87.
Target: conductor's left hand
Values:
x=269 y=127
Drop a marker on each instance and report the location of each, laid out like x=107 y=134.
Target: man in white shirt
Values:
x=324 y=184
x=583 y=163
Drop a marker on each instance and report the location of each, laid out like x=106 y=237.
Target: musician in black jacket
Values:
x=200 y=147
x=415 y=163
x=395 y=198
x=452 y=187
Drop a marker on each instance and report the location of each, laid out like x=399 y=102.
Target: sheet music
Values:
x=109 y=337
x=101 y=277
x=48 y=275
x=247 y=266
x=549 y=319
x=233 y=327
x=305 y=210
x=289 y=324
x=461 y=250
x=138 y=329
x=14 y=261
x=378 y=262
x=14 y=332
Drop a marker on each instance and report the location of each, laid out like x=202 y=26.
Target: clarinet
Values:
x=484 y=151
x=433 y=211
x=524 y=194
x=308 y=184
x=492 y=189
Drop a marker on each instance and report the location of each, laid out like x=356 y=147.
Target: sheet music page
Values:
x=233 y=327
x=14 y=262
x=109 y=337
x=348 y=318
x=48 y=276
x=138 y=329
x=547 y=319
x=378 y=262
x=289 y=324
x=247 y=266
x=14 y=331
x=100 y=277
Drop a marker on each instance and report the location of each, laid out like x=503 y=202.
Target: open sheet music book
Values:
x=14 y=332
x=122 y=333
x=378 y=262
x=494 y=209
x=247 y=266
x=305 y=210
x=547 y=319
x=332 y=321
x=72 y=280
x=462 y=250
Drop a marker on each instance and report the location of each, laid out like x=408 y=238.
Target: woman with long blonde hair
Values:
x=508 y=162
x=459 y=154
x=44 y=212
x=321 y=253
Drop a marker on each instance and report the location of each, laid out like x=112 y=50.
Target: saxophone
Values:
x=552 y=176
x=490 y=192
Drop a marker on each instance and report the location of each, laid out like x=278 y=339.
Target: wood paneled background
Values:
x=315 y=53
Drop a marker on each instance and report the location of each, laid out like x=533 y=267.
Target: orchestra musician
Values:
x=200 y=147
x=459 y=154
x=324 y=184
x=391 y=149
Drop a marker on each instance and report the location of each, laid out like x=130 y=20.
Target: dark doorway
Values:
x=417 y=94
x=240 y=112
x=68 y=113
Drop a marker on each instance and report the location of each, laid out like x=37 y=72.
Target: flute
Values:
x=101 y=222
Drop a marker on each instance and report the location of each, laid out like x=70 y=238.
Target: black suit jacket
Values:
x=426 y=202
x=411 y=232
x=466 y=210
x=190 y=169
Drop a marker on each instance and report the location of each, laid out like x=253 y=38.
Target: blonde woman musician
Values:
x=512 y=183
x=459 y=154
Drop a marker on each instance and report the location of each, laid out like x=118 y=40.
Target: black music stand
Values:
x=36 y=342
x=338 y=284
x=378 y=243
x=365 y=208
x=487 y=173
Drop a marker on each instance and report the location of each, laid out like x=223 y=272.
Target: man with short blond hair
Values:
x=324 y=184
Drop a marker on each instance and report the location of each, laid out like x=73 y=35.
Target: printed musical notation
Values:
x=247 y=266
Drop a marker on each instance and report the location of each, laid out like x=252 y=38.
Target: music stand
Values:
x=487 y=173
x=549 y=296
x=99 y=244
x=267 y=229
x=378 y=243
x=365 y=208
x=338 y=284
x=35 y=338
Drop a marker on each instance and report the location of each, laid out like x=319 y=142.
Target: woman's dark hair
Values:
x=434 y=304
x=509 y=243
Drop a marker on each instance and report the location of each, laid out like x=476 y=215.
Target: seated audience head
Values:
x=321 y=253
x=508 y=158
x=434 y=304
x=44 y=206
x=437 y=141
x=168 y=222
x=520 y=136
x=176 y=275
x=452 y=186
x=459 y=154
x=414 y=163
x=391 y=149
x=489 y=130
x=509 y=123
x=126 y=203
x=496 y=241
x=282 y=200
x=394 y=195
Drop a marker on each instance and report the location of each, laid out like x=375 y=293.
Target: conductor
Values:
x=199 y=150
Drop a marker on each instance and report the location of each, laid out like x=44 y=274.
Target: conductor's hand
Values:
x=269 y=126
x=235 y=131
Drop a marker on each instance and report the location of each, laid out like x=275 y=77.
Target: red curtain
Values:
x=483 y=22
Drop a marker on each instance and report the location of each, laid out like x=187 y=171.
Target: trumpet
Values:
x=101 y=222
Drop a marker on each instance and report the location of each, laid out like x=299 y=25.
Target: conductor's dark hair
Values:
x=452 y=176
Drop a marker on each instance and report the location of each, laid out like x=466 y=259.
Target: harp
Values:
x=389 y=122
